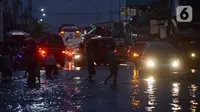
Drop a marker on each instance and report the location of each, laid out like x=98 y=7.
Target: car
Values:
x=191 y=50
x=54 y=43
x=156 y=57
x=123 y=53
x=100 y=48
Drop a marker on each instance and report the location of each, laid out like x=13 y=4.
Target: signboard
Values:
x=123 y=13
x=133 y=12
x=128 y=13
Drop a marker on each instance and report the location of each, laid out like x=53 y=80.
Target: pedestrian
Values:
x=49 y=65
x=6 y=61
x=32 y=64
x=113 y=64
x=90 y=60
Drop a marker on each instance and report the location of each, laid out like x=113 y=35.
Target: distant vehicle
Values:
x=100 y=48
x=190 y=46
x=156 y=57
x=54 y=43
x=70 y=34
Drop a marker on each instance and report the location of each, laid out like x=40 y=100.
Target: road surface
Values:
x=70 y=92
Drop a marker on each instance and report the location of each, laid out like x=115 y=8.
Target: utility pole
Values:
x=169 y=19
x=97 y=15
x=30 y=14
x=110 y=10
x=119 y=5
x=1 y=20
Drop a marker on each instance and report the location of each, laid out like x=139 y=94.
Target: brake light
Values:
x=43 y=52
x=128 y=51
x=63 y=52
x=115 y=51
x=70 y=53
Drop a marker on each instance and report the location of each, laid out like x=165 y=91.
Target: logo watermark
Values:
x=184 y=14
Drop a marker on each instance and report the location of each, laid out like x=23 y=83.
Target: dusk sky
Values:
x=58 y=11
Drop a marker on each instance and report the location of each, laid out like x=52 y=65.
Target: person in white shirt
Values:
x=50 y=65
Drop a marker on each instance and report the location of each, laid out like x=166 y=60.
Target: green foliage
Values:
x=39 y=29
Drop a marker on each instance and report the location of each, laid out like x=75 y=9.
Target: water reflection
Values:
x=150 y=91
x=175 y=97
x=193 y=93
x=135 y=89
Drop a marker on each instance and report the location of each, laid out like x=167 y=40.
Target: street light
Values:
x=43 y=14
x=41 y=19
x=42 y=10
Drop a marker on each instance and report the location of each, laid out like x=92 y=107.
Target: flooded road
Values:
x=70 y=92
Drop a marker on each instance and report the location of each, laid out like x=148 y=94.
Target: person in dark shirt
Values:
x=32 y=64
x=90 y=59
x=6 y=61
x=113 y=64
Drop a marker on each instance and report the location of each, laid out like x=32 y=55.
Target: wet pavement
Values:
x=70 y=92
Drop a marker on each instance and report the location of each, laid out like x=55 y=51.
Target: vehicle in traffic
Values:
x=55 y=44
x=156 y=57
x=190 y=46
x=100 y=49
x=70 y=34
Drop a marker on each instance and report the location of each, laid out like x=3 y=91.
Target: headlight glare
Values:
x=150 y=63
x=175 y=64
x=77 y=56
x=193 y=55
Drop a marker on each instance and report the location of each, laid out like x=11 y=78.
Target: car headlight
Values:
x=150 y=63
x=193 y=55
x=175 y=63
x=77 y=56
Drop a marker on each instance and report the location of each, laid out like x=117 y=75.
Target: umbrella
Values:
x=17 y=33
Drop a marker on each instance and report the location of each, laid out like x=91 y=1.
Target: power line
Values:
x=60 y=13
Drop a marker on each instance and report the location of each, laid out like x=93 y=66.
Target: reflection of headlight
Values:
x=77 y=56
x=150 y=63
x=193 y=55
x=175 y=64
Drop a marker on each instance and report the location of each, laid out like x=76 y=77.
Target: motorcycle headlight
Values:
x=175 y=63
x=77 y=56
x=193 y=55
x=150 y=63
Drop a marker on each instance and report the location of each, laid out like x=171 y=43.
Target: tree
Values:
x=39 y=29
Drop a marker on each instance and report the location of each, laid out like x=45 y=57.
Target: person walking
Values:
x=90 y=60
x=32 y=64
x=6 y=61
x=49 y=64
x=113 y=64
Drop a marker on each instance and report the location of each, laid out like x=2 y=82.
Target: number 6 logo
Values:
x=184 y=14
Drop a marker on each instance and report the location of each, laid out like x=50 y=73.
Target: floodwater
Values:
x=70 y=92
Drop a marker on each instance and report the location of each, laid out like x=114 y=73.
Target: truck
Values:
x=70 y=34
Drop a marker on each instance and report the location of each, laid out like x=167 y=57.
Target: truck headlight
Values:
x=150 y=63
x=175 y=63
x=77 y=56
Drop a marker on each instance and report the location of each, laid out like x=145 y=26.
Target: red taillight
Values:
x=63 y=52
x=70 y=53
x=128 y=51
x=115 y=51
x=42 y=52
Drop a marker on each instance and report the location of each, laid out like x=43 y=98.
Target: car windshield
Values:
x=139 y=46
x=161 y=49
x=54 y=40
